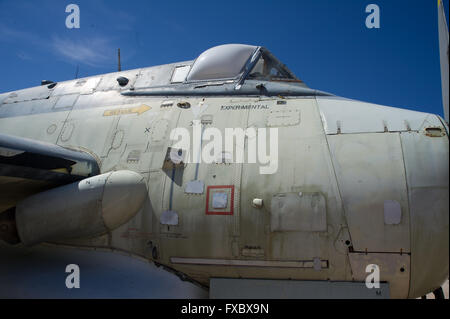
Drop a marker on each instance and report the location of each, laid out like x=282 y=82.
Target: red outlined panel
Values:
x=215 y=211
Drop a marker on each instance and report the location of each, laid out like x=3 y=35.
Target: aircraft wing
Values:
x=28 y=166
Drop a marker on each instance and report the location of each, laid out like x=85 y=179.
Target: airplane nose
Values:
x=426 y=157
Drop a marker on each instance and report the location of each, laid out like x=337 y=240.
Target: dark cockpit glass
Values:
x=267 y=68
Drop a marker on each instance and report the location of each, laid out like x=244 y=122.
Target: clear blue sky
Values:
x=325 y=43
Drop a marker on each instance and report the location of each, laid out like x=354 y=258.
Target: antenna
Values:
x=118 y=56
x=76 y=72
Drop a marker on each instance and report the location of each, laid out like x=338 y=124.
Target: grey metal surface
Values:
x=87 y=208
x=249 y=88
x=429 y=213
x=343 y=116
x=223 y=288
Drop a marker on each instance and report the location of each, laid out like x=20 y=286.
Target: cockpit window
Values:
x=221 y=62
x=269 y=69
x=238 y=62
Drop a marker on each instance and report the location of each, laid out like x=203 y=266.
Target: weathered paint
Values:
x=354 y=156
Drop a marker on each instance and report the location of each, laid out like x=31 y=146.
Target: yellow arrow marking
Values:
x=129 y=110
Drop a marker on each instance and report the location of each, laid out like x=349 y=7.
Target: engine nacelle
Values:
x=90 y=207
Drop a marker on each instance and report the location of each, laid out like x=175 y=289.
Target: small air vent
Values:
x=184 y=105
x=434 y=132
x=122 y=80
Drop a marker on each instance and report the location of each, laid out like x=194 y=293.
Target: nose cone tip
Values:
x=124 y=195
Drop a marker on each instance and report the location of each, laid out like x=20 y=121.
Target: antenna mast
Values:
x=118 y=56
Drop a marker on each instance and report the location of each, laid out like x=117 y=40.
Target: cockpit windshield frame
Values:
x=286 y=73
x=246 y=70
